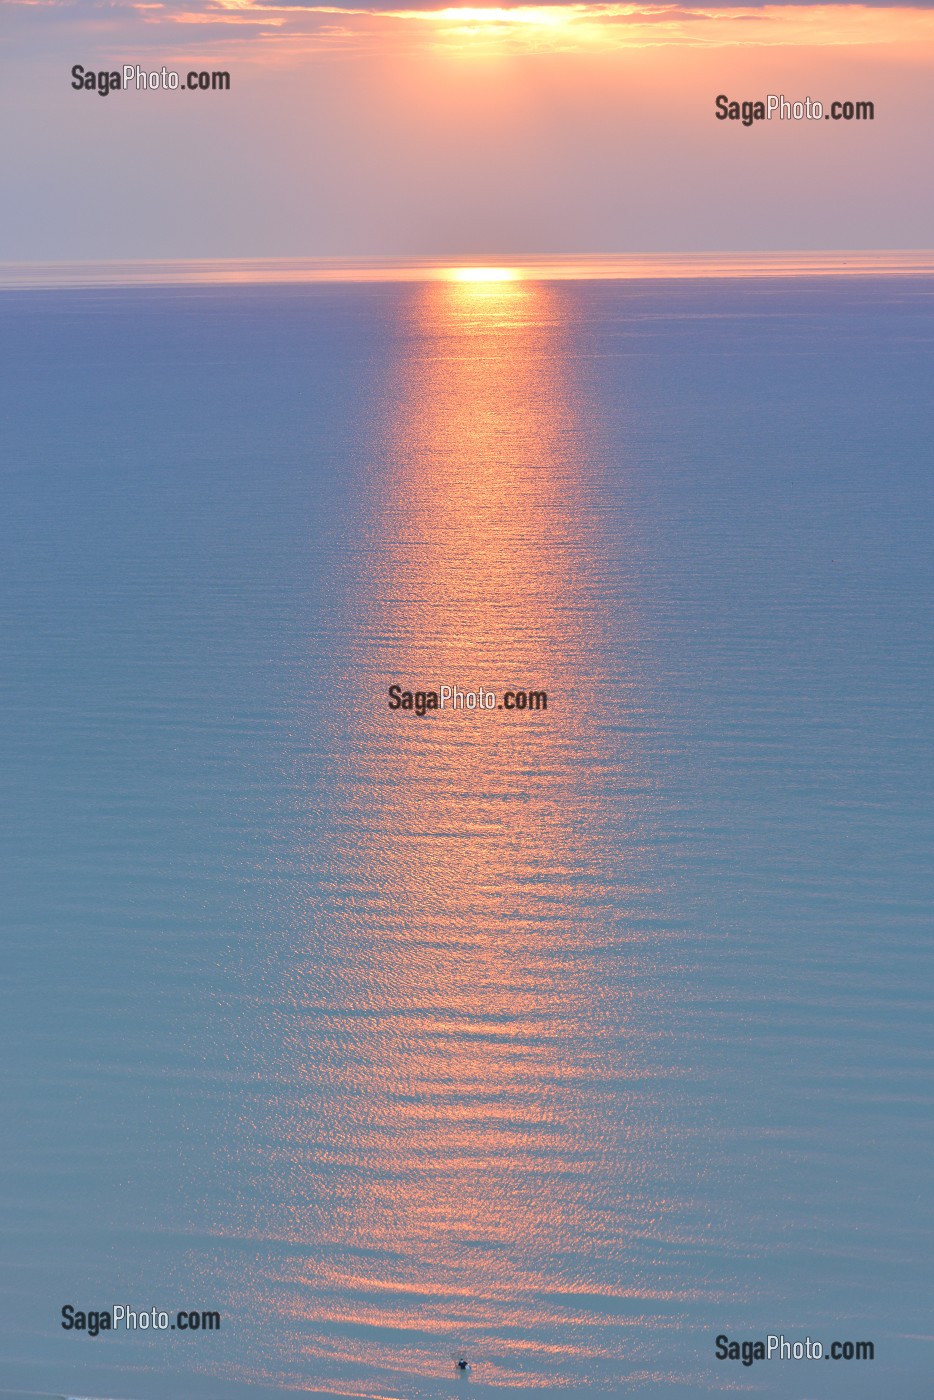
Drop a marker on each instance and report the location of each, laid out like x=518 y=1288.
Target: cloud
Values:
x=295 y=27
x=576 y=26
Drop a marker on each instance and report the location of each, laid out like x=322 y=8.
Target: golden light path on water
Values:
x=457 y=1159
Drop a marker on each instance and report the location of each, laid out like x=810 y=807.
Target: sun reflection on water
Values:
x=457 y=1134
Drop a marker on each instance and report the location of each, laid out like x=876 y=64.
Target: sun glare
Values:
x=542 y=15
x=483 y=274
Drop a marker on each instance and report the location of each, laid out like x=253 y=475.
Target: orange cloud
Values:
x=284 y=31
x=572 y=28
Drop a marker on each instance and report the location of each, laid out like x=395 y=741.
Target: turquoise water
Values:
x=562 y=1040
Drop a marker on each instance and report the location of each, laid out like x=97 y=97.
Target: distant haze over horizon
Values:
x=627 y=267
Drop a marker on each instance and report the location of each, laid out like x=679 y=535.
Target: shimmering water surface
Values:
x=562 y=1040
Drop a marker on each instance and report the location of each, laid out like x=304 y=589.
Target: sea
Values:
x=560 y=1028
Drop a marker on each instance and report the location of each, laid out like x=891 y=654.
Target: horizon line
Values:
x=180 y=272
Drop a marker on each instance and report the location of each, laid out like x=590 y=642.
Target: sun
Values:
x=483 y=274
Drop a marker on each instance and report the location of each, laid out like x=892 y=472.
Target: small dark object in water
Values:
x=463 y=1366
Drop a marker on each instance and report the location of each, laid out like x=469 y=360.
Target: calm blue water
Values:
x=562 y=1040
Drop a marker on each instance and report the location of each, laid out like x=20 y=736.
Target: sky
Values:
x=367 y=131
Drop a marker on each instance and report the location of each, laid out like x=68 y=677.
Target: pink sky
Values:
x=358 y=132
